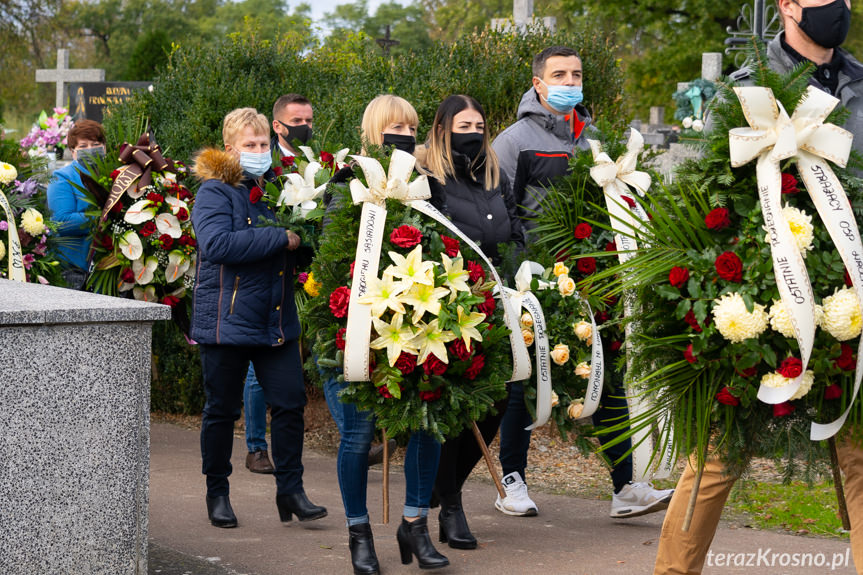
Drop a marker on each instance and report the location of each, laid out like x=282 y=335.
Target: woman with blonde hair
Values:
x=387 y=121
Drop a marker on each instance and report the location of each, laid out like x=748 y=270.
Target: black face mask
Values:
x=468 y=144
x=826 y=25
x=401 y=142
x=303 y=133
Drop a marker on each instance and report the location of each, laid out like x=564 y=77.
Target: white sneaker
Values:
x=639 y=499
x=517 y=502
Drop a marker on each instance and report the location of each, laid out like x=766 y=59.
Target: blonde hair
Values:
x=438 y=159
x=238 y=119
x=384 y=110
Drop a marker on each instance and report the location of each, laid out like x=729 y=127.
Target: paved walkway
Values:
x=570 y=536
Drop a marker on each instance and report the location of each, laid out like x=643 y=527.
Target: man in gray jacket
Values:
x=814 y=30
x=552 y=124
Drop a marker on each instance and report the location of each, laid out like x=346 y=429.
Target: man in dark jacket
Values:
x=243 y=311
x=814 y=30
x=292 y=121
x=552 y=124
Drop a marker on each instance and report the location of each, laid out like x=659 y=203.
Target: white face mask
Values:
x=256 y=164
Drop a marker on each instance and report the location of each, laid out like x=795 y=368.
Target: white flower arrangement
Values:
x=735 y=322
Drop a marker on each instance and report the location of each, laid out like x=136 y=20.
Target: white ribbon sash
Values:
x=522 y=298
x=16 y=253
x=397 y=185
x=773 y=137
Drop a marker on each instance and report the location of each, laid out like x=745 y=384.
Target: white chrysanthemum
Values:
x=777 y=380
x=698 y=125
x=801 y=227
x=780 y=319
x=734 y=322
x=32 y=222
x=2 y=250
x=842 y=316
x=8 y=173
x=687 y=122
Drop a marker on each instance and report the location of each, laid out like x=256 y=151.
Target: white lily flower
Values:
x=145 y=294
x=308 y=153
x=169 y=224
x=339 y=158
x=140 y=212
x=130 y=246
x=301 y=190
x=178 y=265
x=144 y=269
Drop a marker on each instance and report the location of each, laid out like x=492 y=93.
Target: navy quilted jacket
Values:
x=244 y=289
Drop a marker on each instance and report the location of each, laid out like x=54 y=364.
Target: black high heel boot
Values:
x=298 y=503
x=220 y=512
x=453 y=524
x=363 y=556
x=413 y=538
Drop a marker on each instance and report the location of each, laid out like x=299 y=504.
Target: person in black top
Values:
x=469 y=188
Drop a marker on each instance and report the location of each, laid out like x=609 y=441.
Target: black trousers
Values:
x=279 y=371
x=460 y=454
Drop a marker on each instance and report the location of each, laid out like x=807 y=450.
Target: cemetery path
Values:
x=570 y=536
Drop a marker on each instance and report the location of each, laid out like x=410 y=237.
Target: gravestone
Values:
x=74 y=447
x=92 y=100
x=523 y=19
x=62 y=74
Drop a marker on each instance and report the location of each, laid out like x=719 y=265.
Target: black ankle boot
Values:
x=220 y=512
x=453 y=524
x=413 y=538
x=298 y=503
x=363 y=556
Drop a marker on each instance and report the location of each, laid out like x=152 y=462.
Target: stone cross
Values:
x=63 y=74
x=386 y=42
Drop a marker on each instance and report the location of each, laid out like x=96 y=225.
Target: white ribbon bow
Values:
x=773 y=136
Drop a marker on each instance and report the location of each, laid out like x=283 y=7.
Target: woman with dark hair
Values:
x=469 y=188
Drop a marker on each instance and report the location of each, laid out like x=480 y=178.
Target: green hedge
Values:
x=199 y=86
x=176 y=384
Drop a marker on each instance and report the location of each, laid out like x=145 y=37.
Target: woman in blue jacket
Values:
x=243 y=311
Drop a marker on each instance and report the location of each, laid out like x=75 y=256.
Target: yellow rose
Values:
x=528 y=337
x=583 y=330
x=526 y=320
x=583 y=370
x=312 y=287
x=32 y=222
x=560 y=354
x=565 y=285
x=575 y=410
x=560 y=269
x=555 y=400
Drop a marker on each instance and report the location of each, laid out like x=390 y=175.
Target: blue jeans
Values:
x=357 y=429
x=255 y=407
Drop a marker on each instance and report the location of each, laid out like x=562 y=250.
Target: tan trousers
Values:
x=684 y=553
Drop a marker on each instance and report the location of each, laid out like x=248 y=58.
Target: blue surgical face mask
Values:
x=256 y=164
x=563 y=98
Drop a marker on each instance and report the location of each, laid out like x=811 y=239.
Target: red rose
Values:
x=475 y=271
x=692 y=321
x=725 y=397
x=128 y=276
x=729 y=267
x=487 y=307
x=406 y=236
x=690 y=357
x=339 y=300
x=846 y=361
x=114 y=174
x=170 y=300
x=287 y=161
x=459 y=349
x=848 y=282
x=256 y=194
x=582 y=231
x=431 y=395
x=832 y=391
x=352 y=268
x=610 y=247
x=790 y=368
x=629 y=201
x=107 y=242
x=561 y=256
x=586 y=265
x=182 y=214
x=717 y=219
x=476 y=365
x=789 y=184
x=610 y=300
x=433 y=366
x=451 y=245
x=117 y=207
x=601 y=316
x=340 y=339
x=166 y=241
x=148 y=229
x=678 y=276
x=615 y=346
x=783 y=409
x=327 y=158
x=406 y=363
x=155 y=198
x=385 y=392
x=184 y=194
x=278 y=171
